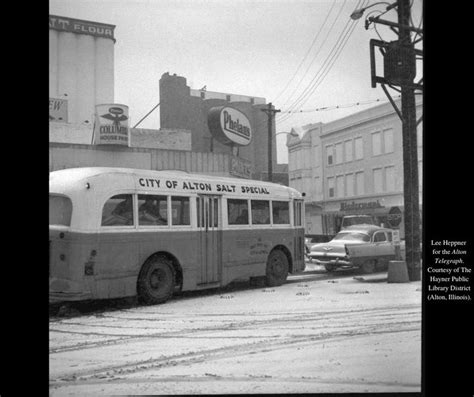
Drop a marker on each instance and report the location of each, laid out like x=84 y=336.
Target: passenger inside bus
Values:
x=243 y=218
x=150 y=213
x=122 y=213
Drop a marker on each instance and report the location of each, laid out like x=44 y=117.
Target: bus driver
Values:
x=150 y=213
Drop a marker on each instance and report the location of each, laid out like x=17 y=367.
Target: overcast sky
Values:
x=301 y=55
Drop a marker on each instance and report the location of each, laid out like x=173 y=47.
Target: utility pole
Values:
x=410 y=149
x=270 y=112
x=400 y=70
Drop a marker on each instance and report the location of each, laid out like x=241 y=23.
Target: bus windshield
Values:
x=60 y=210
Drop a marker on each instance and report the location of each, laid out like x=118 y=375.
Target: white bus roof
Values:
x=109 y=179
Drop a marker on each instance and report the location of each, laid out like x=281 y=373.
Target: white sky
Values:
x=297 y=54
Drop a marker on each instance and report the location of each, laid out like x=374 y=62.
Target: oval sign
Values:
x=229 y=126
x=116 y=110
x=394 y=217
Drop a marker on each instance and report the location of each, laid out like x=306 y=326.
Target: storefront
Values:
x=387 y=211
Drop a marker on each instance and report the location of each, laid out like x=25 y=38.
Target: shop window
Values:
x=237 y=212
x=281 y=212
x=118 y=211
x=260 y=212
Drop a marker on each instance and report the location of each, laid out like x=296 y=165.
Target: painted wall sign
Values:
x=361 y=206
x=229 y=126
x=57 y=110
x=81 y=27
x=200 y=186
x=111 y=125
x=240 y=168
x=394 y=217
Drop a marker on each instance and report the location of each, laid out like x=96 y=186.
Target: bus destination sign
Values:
x=229 y=126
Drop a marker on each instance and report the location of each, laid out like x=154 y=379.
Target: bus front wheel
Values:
x=156 y=281
x=277 y=268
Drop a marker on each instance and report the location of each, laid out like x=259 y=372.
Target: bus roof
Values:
x=147 y=181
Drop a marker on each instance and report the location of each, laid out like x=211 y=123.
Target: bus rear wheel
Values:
x=277 y=268
x=156 y=281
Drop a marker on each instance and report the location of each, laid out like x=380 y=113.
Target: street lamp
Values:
x=292 y=133
x=359 y=12
x=400 y=70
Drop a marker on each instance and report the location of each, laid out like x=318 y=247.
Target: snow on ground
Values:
x=317 y=333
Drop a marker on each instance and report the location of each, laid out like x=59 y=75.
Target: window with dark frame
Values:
x=237 y=212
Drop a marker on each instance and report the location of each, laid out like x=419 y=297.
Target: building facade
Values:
x=81 y=77
x=353 y=165
x=185 y=108
x=81 y=68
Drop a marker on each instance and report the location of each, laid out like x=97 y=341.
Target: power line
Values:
x=316 y=54
x=326 y=66
x=309 y=50
x=334 y=107
x=146 y=115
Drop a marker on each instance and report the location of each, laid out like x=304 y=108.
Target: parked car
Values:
x=311 y=239
x=368 y=247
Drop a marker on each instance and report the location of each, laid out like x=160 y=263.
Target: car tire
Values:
x=330 y=268
x=156 y=281
x=277 y=268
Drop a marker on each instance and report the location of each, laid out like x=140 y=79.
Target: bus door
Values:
x=210 y=238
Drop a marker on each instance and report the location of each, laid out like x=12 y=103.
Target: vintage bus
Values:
x=117 y=232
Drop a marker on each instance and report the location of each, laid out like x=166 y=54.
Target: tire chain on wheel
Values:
x=271 y=279
x=143 y=288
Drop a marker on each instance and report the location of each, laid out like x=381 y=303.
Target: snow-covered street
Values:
x=318 y=333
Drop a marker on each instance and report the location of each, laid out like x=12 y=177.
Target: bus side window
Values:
x=118 y=211
x=152 y=210
x=180 y=210
x=260 y=212
x=237 y=212
x=281 y=212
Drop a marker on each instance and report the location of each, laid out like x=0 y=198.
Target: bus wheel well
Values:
x=287 y=252
x=176 y=265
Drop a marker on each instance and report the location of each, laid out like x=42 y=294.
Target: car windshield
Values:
x=353 y=236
